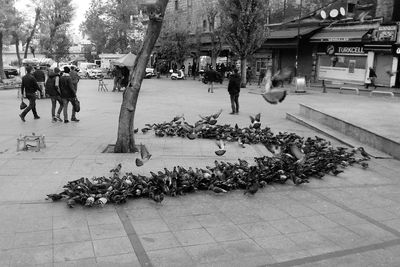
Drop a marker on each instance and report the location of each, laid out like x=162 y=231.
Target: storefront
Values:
x=380 y=56
x=340 y=56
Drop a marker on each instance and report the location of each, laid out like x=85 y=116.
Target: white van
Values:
x=89 y=70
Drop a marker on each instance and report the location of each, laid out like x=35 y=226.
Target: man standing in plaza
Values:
x=234 y=90
x=74 y=77
x=40 y=79
x=30 y=86
x=68 y=94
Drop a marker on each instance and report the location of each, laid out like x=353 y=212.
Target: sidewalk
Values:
x=352 y=219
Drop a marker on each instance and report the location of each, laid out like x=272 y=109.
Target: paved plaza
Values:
x=349 y=220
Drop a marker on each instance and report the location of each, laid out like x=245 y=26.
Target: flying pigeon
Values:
x=301 y=157
x=221 y=146
x=272 y=96
x=144 y=154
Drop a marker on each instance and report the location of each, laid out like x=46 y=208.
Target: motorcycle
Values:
x=178 y=76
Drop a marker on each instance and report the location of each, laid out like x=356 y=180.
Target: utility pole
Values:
x=298 y=38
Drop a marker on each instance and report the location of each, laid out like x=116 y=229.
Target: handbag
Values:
x=22 y=105
x=76 y=105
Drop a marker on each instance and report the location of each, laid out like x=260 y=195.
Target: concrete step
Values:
x=349 y=138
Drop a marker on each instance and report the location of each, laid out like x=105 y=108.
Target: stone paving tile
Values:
x=212 y=220
x=226 y=233
x=103 y=231
x=193 y=237
x=32 y=239
x=341 y=236
x=35 y=224
x=296 y=210
x=259 y=229
x=143 y=214
x=150 y=226
x=276 y=245
x=272 y=214
x=314 y=243
x=6 y=241
x=66 y=221
x=173 y=257
x=158 y=241
x=29 y=256
x=345 y=218
x=395 y=224
x=208 y=253
x=323 y=207
x=201 y=208
x=129 y=259
x=182 y=223
x=173 y=211
x=103 y=218
x=112 y=246
x=244 y=217
x=317 y=222
x=5 y=257
x=378 y=214
x=242 y=248
x=368 y=230
x=77 y=263
x=73 y=251
x=66 y=235
x=289 y=225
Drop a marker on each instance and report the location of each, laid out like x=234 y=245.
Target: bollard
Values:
x=323 y=86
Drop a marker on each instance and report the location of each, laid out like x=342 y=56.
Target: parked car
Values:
x=10 y=71
x=90 y=71
x=149 y=73
x=69 y=66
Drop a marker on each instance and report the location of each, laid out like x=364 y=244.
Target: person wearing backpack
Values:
x=53 y=91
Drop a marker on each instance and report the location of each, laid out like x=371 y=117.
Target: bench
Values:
x=349 y=88
x=37 y=140
x=382 y=93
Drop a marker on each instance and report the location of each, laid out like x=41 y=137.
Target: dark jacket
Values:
x=39 y=76
x=29 y=85
x=234 y=84
x=211 y=75
x=74 y=76
x=66 y=87
x=51 y=88
x=372 y=73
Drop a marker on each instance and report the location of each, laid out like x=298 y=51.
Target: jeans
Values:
x=42 y=89
x=54 y=100
x=235 y=102
x=31 y=106
x=65 y=102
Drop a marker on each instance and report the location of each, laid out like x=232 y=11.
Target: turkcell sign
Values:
x=351 y=50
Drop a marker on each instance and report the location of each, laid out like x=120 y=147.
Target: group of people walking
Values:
x=61 y=88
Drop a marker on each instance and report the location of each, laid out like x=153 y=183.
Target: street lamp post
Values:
x=298 y=39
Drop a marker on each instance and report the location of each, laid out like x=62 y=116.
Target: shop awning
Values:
x=338 y=36
x=291 y=33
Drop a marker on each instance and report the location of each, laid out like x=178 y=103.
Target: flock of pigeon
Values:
x=294 y=159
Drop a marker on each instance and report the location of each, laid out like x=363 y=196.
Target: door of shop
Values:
x=383 y=64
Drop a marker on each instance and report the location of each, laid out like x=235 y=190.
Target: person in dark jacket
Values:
x=68 y=94
x=53 y=91
x=372 y=77
x=210 y=76
x=234 y=90
x=125 y=77
x=74 y=77
x=40 y=78
x=30 y=86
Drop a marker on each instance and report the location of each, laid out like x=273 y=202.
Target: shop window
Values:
x=355 y=62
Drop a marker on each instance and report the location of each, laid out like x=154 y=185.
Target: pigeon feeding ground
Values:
x=294 y=159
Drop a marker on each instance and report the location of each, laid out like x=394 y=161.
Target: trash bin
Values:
x=300 y=84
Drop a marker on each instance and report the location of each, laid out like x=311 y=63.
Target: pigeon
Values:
x=144 y=154
x=252 y=189
x=54 y=197
x=273 y=96
x=255 y=121
x=217 y=189
x=300 y=156
x=240 y=142
x=221 y=145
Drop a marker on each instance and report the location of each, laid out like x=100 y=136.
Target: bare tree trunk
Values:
x=29 y=39
x=243 y=64
x=16 y=39
x=2 y=74
x=126 y=140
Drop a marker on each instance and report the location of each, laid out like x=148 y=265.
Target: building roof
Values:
x=290 y=33
x=328 y=35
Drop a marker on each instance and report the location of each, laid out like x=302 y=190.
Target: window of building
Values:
x=350 y=7
x=176 y=4
x=204 y=25
x=211 y=27
x=189 y=3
